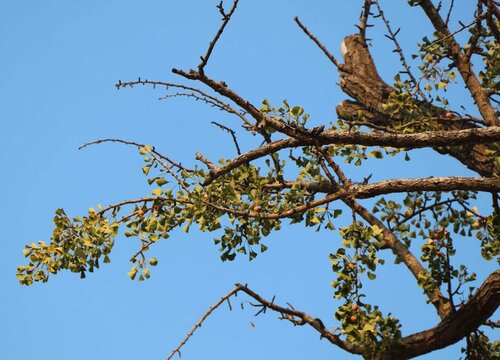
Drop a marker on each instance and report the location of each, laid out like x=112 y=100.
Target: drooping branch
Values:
x=137 y=145
x=296 y=317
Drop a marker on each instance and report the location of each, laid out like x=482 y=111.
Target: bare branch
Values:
x=448 y=15
x=138 y=145
x=318 y=43
x=225 y=20
x=289 y=313
x=392 y=36
x=203 y=159
x=233 y=135
x=177 y=350
x=365 y=15
x=213 y=100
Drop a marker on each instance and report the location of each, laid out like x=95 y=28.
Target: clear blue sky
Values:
x=60 y=61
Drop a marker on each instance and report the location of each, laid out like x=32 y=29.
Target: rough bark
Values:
x=361 y=81
x=458 y=324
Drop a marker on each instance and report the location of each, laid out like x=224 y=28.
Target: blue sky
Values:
x=60 y=62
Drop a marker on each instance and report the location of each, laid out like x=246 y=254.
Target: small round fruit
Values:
x=448 y=115
x=354 y=307
x=351 y=265
x=257 y=208
x=140 y=212
x=430 y=58
x=354 y=318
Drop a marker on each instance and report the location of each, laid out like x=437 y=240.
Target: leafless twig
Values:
x=233 y=135
x=138 y=145
x=392 y=36
x=225 y=19
x=210 y=99
x=365 y=15
x=289 y=313
x=318 y=43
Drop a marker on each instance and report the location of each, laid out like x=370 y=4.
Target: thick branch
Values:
x=408 y=141
x=437 y=299
x=360 y=80
x=380 y=188
x=458 y=324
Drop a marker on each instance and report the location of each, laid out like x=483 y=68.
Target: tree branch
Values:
x=408 y=141
x=295 y=316
x=318 y=43
x=463 y=65
x=458 y=324
x=225 y=20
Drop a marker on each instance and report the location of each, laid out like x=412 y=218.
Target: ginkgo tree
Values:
x=299 y=174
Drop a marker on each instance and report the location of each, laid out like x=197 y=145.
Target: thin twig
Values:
x=318 y=43
x=222 y=105
x=478 y=19
x=402 y=58
x=138 y=145
x=177 y=350
x=233 y=135
x=448 y=15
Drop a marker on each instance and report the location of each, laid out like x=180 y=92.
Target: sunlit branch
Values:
x=408 y=141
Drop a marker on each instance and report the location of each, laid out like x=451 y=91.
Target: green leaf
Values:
x=161 y=181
